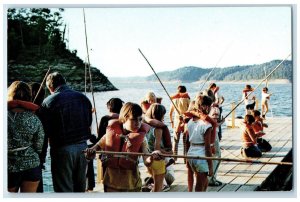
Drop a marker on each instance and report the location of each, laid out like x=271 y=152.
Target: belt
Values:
x=197 y=144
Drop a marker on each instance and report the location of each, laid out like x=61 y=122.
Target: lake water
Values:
x=280 y=102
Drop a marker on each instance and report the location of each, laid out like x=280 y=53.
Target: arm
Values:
x=208 y=153
x=158 y=139
x=171 y=115
x=91 y=152
x=154 y=122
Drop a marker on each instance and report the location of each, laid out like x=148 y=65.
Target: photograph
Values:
x=169 y=98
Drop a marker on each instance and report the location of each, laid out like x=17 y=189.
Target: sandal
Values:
x=215 y=183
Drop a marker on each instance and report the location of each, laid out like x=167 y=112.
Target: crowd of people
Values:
x=63 y=122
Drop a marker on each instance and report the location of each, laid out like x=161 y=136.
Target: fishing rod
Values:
x=257 y=86
x=46 y=75
x=265 y=76
x=215 y=66
x=160 y=81
x=89 y=65
x=125 y=154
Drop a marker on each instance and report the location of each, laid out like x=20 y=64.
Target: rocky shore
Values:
x=34 y=69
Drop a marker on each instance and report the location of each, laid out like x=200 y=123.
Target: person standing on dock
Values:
x=219 y=99
x=156 y=142
x=265 y=97
x=182 y=102
x=199 y=133
x=67 y=117
x=25 y=138
x=127 y=134
x=249 y=99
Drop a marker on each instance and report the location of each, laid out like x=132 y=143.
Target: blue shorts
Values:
x=199 y=165
x=32 y=175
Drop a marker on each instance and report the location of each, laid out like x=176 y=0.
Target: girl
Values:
x=249 y=138
x=199 y=132
x=265 y=97
x=155 y=142
x=25 y=140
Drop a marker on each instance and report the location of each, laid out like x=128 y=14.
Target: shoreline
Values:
x=276 y=81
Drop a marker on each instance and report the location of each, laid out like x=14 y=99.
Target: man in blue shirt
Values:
x=66 y=116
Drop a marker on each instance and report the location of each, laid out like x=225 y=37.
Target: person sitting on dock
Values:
x=249 y=99
x=199 y=133
x=258 y=126
x=265 y=97
x=249 y=138
x=127 y=134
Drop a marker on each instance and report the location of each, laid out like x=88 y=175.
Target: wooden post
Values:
x=233 y=115
x=99 y=170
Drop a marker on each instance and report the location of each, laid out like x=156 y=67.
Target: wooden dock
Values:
x=240 y=177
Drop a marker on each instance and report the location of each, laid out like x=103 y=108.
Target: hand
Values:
x=157 y=155
x=221 y=121
x=213 y=149
x=90 y=153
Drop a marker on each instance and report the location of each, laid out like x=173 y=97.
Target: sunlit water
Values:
x=280 y=102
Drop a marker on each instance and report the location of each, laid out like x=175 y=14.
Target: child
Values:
x=249 y=138
x=155 y=142
x=249 y=99
x=265 y=97
x=199 y=132
x=215 y=114
x=127 y=134
x=257 y=126
x=149 y=99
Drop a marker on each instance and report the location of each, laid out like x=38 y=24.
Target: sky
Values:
x=174 y=37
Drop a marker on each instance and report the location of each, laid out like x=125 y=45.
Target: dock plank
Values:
x=240 y=177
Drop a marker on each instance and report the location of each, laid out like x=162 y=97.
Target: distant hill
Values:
x=234 y=73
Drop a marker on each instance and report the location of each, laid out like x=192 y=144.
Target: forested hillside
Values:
x=36 y=41
x=235 y=73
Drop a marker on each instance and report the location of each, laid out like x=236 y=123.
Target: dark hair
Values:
x=156 y=111
x=212 y=85
x=19 y=90
x=265 y=89
x=55 y=80
x=202 y=101
x=248 y=86
x=114 y=105
x=211 y=95
x=249 y=119
x=34 y=88
x=181 y=89
x=256 y=113
x=130 y=109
